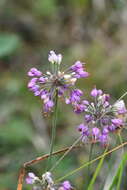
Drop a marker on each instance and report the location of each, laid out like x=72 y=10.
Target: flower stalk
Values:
x=53 y=133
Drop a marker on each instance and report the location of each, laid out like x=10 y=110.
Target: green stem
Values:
x=119 y=178
x=53 y=135
x=122 y=97
x=65 y=154
x=90 y=187
x=90 y=155
x=121 y=141
x=90 y=158
x=121 y=168
x=91 y=162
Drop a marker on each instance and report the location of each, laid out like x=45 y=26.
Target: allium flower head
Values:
x=57 y=82
x=101 y=118
x=46 y=182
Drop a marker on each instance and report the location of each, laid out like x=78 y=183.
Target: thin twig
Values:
x=59 y=160
x=121 y=97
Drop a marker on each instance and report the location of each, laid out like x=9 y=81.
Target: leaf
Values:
x=90 y=187
x=117 y=175
x=8 y=44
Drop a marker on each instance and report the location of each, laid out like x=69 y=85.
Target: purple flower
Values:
x=44 y=94
x=66 y=185
x=53 y=58
x=105 y=131
x=78 y=92
x=81 y=74
x=100 y=92
x=48 y=85
x=95 y=132
x=117 y=122
x=37 y=93
x=83 y=129
x=61 y=91
x=42 y=80
x=32 y=82
x=75 y=95
x=30 y=179
x=100 y=117
x=76 y=66
x=88 y=118
x=78 y=69
x=111 y=128
x=106 y=97
x=35 y=88
x=79 y=108
x=103 y=139
x=94 y=92
x=34 y=73
x=67 y=101
x=85 y=102
x=48 y=105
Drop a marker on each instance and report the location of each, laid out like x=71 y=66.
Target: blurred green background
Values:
x=93 y=31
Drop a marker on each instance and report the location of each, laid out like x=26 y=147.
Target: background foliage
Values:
x=93 y=31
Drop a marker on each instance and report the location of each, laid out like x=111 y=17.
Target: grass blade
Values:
x=116 y=181
x=90 y=187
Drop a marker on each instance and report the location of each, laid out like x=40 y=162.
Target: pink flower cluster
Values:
x=56 y=82
x=101 y=118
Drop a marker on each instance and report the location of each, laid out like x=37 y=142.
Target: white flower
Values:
x=53 y=58
x=119 y=105
x=48 y=178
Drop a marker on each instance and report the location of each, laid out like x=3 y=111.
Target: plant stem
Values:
x=62 y=157
x=90 y=158
x=91 y=162
x=121 y=141
x=90 y=155
x=90 y=187
x=121 y=168
x=122 y=96
x=53 y=135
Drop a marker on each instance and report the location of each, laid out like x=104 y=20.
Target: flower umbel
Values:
x=56 y=81
x=101 y=118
